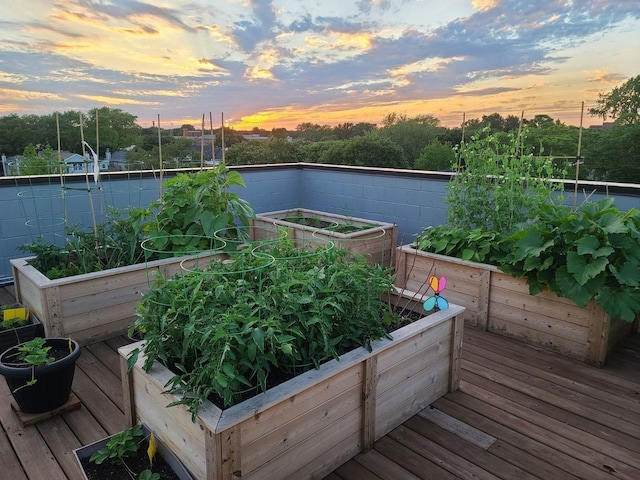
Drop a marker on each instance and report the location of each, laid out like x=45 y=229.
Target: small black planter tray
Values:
x=168 y=456
x=24 y=333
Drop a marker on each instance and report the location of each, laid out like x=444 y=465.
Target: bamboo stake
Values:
x=519 y=131
x=575 y=190
x=461 y=142
x=222 y=137
x=202 y=144
x=160 y=158
x=60 y=171
x=96 y=175
x=86 y=177
x=213 y=140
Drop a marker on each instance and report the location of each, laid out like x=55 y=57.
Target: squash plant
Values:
x=260 y=315
x=592 y=253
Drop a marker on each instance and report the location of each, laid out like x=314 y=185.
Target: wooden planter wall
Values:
x=500 y=303
x=310 y=425
x=93 y=306
x=378 y=243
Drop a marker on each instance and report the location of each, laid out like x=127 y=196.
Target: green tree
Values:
x=374 y=151
x=279 y=133
x=622 y=103
x=117 y=129
x=410 y=134
x=613 y=155
x=331 y=152
x=179 y=153
x=437 y=156
x=33 y=162
x=254 y=152
x=312 y=132
x=231 y=137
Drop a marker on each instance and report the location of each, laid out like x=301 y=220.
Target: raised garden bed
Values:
x=307 y=426
x=499 y=303
x=376 y=240
x=93 y=306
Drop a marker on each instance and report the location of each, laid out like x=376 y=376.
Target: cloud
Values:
x=248 y=33
x=249 y=56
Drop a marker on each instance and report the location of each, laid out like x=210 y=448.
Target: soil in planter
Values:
x=139 y=463
x=310 y=222
x=327 y=225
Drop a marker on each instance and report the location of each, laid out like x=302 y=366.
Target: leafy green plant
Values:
x=592 y=253
x=194 y=207
x=32 y=354
x=114 y=243
x=123 y=445
x=498 y=184
x=13 y=316
x=474 y=245
x=279 y=310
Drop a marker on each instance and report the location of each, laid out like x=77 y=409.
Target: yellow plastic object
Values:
x=20 y=313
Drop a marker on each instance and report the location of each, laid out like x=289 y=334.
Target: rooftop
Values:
x=520 y=413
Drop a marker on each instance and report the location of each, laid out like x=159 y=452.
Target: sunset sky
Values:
x=279 y=63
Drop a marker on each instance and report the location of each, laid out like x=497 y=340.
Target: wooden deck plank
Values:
x=383 y=466
x=408 y=459
x=505 y=460
x=37 y=459
x=355 y=470
x=104 y=354
x=466 y=408
x=576 y=424
x=468 y=460
x=108 y=415
x=108 y=382
x=11 y=467
x=574 y=402
x=564 y=366
x=62 y=442
x=541 y=429
x=85 y=427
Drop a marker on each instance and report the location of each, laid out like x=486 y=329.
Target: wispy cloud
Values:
x=261 y=58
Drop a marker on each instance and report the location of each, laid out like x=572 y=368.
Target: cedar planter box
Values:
x=499 y=303
x=84 y=454
x=313 y=423
x=378 y=243
x=93 y=306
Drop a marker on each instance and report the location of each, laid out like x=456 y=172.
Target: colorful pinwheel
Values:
x=437 y=285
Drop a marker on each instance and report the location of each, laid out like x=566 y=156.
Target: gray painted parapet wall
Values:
x=32 y=206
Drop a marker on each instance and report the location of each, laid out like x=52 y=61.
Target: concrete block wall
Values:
x=411 y=199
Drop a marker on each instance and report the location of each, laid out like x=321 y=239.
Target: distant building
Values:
x=73 y=162
x=254 y=136
x=604 y=126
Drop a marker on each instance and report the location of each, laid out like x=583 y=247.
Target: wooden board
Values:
x=33 y=418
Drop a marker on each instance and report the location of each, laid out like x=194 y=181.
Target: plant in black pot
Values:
x=40 y=372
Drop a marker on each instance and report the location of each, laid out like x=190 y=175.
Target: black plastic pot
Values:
x=53 y=381
x=23 y=333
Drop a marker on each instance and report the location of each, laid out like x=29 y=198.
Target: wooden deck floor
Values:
x=520 y=413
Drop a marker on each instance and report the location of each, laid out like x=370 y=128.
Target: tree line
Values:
x=420 y=142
